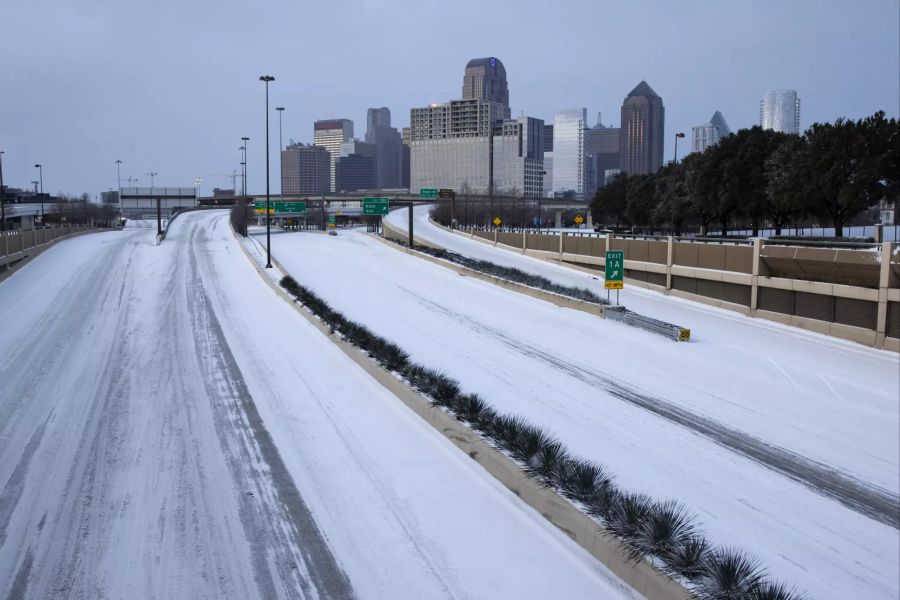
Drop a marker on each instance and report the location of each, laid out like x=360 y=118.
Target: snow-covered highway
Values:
x=826 y=402
x=171 y=428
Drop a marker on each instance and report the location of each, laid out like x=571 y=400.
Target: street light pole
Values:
x=2 y=197
x=119 y=175
x=244 y=148
x=677 y=135
x=266 y=79
x=41 y=178
x=280 y=110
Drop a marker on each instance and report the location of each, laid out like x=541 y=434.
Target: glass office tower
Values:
x=570 y=168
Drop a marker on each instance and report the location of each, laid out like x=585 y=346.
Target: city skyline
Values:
x=65 y=111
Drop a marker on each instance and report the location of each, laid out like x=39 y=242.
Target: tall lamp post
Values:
x=677 y=135
x=2 y=197
x=41 y=180
x=119 y=174
x=266 y=79
x=280 y=110
x=244 y=148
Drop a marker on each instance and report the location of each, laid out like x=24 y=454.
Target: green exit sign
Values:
x=376 y=206
x=615 y=270
x=428 y=193
x=290 y=207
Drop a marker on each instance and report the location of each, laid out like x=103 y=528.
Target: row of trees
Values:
x=831 y=173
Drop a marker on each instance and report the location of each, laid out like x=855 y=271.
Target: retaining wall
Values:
x=850 y=293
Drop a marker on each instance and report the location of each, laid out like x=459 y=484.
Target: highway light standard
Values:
x=280 y=110
x=677 y=135
x=41 y=179
x=267 y=79
x=244 y=164
x=2 y=197
x=119 y=174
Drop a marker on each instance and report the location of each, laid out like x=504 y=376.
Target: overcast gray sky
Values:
x=171 y=86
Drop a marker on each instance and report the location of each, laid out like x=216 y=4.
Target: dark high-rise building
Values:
x=388 y=148
x=548 y=138
x=643 y=130
x=602 y=143
x=377 y=117
x=305 y=170
x=485 y=79
x=405 y=137
x=355 y=172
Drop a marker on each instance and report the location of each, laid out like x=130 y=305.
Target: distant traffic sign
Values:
x=428 y=193
x=579 y=219
x=497 y=221
x=447 y=193
x=279 y=206
x=290 y=207
x=376 y=206
x=615 y=270
x=332 y=221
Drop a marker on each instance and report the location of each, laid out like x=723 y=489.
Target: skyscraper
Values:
x=305 y=170
x=709 y=134
x=780 y=110
x=643 y=130
x=330 y=134
x=388 y=155
x=602 y=144
x=485 y=79
x=571 y=171
x=377 y=117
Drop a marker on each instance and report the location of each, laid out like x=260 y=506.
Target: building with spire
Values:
x=643 y=130
x=709 y=134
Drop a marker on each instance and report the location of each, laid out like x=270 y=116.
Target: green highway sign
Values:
x=279 y=206
x=615 y=270
x=332 y=220
x=428 y=193
x=376 y=206
x=290 y=207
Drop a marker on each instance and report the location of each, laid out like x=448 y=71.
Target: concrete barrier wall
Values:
x=841 y=292
x=17 y=245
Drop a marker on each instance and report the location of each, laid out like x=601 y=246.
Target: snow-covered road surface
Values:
x=171 y=428
x=821 y=401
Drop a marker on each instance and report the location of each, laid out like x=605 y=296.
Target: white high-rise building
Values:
x=709 y=134
x=571 y=168
x=780 y=110
x=330 y=135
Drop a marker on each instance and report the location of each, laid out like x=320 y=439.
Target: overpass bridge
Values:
x=350 y=204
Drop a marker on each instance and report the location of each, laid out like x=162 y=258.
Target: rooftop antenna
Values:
x=599 y=118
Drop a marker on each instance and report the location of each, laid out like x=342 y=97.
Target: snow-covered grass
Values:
x=647 y=528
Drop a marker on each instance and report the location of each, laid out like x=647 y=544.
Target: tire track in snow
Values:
x=276 y=519
x=869 y=500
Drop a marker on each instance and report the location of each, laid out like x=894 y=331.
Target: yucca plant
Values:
x=549 y=461
x=730 y=574
x=580 y=479
x=628 y=514
x=529 y=442
x=471 y=408
x=688 y=559
x=600 y=504
x=667 y=527
x=769 y=590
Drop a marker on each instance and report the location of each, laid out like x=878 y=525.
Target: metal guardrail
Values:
x=668 y=330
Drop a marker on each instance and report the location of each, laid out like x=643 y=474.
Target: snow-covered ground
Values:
x=171 y=428
x=769 y=434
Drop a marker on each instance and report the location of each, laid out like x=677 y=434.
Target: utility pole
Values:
x=153 y=174
x=266 y=79
x=41 y=173
x=2 y=197
x=244 y=163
